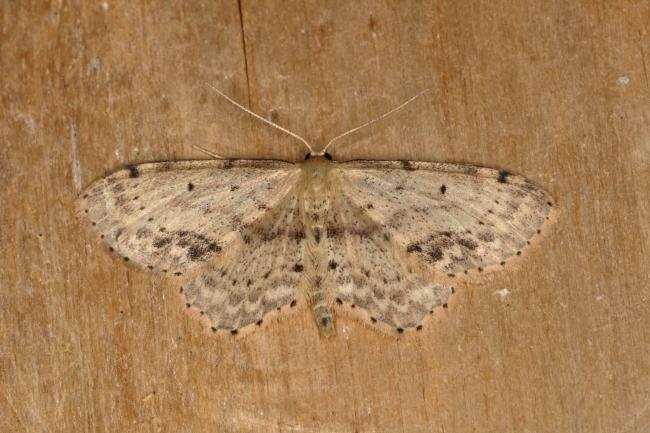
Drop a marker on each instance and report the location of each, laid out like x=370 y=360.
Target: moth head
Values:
x=318 y=154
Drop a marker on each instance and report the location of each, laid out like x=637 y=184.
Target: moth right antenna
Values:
x=376 y=119
x=257 y=116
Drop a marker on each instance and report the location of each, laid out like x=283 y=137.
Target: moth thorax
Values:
x=317 y=192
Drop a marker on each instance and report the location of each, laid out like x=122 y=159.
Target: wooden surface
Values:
x=558 y=91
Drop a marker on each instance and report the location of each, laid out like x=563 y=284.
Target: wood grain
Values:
x=558 y=91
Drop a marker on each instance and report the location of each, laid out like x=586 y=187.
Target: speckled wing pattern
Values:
x=260 y=275
x=400 y=225
x=370 y=276
x=214 y=225
x=453 y=218
x=382 y=239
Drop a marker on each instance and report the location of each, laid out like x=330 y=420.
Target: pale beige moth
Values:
x=383 y=241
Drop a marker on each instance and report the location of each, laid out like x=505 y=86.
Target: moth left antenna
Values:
x=376 y=119
x=207 y=152
x=257 y=116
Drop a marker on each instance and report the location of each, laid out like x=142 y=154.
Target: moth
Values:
x=383 y=241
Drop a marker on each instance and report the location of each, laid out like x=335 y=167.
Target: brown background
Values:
x=556 y=90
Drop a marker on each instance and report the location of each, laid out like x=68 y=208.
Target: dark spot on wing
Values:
x=406 y=165
x=298 y=235
x=160 y=242
x=333 y=231
x=234 y=188
x=468 y=243
x=435 y=254
x=190 y=186
x=199 y=247
x=414 y=248
x=443 y=189
x=332 y=264
x=133 y=171
x=503 y=176
x=298 y=267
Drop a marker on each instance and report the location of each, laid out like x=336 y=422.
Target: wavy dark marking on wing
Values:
x=483 y=218
x=238 y=291
x=369 y=275
x=155 y=221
